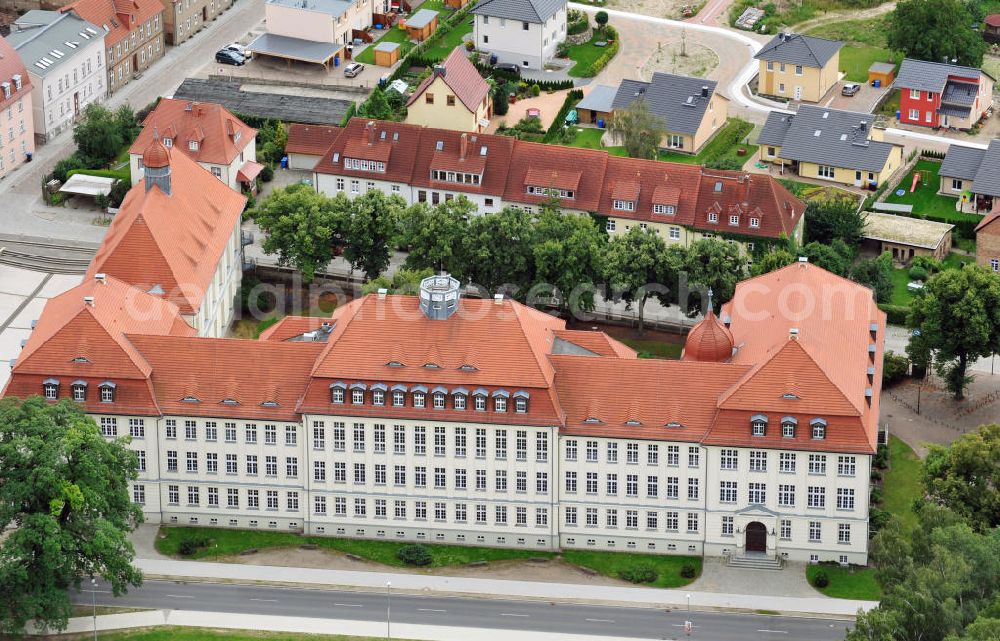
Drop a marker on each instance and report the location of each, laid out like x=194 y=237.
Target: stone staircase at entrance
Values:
x=755 y=562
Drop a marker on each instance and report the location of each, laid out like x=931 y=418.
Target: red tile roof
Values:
x=249 y=171
x=172 y=240
x=597 y=342
x=120 y=17
x=292 y=326
x=461 y=76
x=985 y=222
x=212 y=125
x=311 y=140
x=11 y=65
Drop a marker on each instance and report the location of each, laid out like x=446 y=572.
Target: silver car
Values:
x=353 y=69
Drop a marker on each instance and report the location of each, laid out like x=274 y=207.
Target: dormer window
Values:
x=17 y=82
x=479 y=401
x=755 y=222
x=734 y=220
x=624 y=205
x=758 y=425
x=337 y=391
x=500 y=404
x=364 y=165
x=79 y=391
x=394 y=364
x=168 y=142
x=398 y=396
x=190 y=399
x=438 y=398
x=818 y=428
x=237 y=135
x=193 y=145
x=107 y=391
x=50 y=389
x=713 y=217
x=378 y=396
x=357 y=397
x=788 y=424
x=674 y=424
x=81 y=359
x=593 y=420
x=665 y=210
x=550 y=192
x=459 y=399
x=468 y=368
x=633 y=422
x=521 y=402
x=269 y=404
x=419 y=399
x=230 y=401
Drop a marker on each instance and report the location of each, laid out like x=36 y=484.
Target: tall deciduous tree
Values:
x=834 y=257
x=497 y=252
x=827 y=220
x=772 y=260
x=958 y=315
x=716 y=265
x=568 y=252
x=638 y=266
x=64 y=501
x=965 y=476
x=877 y=274
x=302 y=227
x=937 y=31
x=638 y=129
x=371 y=229
x=98 y=135
x=433 y=235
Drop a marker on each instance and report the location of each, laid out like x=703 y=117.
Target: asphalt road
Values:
x=500 y=614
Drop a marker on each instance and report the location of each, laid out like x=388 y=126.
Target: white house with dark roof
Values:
x=691 y=108
x=972 y=172
x=829 y=144
x=521 y=32
x=798 y=67
x=64 y=56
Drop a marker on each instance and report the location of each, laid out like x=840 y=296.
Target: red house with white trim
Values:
x=933 y=94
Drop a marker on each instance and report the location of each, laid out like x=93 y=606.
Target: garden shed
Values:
x=883 y=72
x=422 y=24
x=906 y=237
x=386 y=53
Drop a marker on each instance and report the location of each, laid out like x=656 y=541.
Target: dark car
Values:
x=850 y=89
x=509 y=67
x=229 y=57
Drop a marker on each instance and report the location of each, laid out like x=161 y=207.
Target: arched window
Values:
x=79 y=391
x=108 y=391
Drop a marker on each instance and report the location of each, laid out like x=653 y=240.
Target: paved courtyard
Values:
x=716 y=576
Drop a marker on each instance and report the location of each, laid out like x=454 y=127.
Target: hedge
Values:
x=416 y=52
x=498 y=75
x=895 y=314
x=348 y=114
x=572 y=98
x=602 y=61
x=117 y=174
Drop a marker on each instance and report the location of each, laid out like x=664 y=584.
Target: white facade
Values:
x=528 y=44
x=218 y=304
x=225 y=173
x=61 y=94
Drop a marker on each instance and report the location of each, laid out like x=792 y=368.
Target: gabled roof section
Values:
x=796 y=49
x=172 y=240
x=537 y=11
x=678 y=100
x=221 y=136
x=551 y=166
x=932 y=76
x=461 y=76
x=38 y=34
x=311 y=140
x=118 y=17
x=11 y=65
x=736 y=192
x=987 y=179
x=962 y=162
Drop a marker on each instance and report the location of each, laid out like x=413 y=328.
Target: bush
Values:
x=188 y=547
x=66 y=165
x=688 y=571
x=894 y=368
x=931 y=265
x=118 y=174
x=535 y=90
x=118 y=192
x=820 y=579
x=918 y=273
x=639 y=574
x=470 y=45
x=895 y=314
x=267 y=173
x=882 y=456
x=414 y=554
x=601 y=18
x=577 y=22
x=877 y=519
x=602 y=61
x=875 y=496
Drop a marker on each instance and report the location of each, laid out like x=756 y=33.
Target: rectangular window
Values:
x=250 y=430
x=845 y=498
x=673 y=455
x=673 y=487
x=757 y=494
x=692 y=522
x=727 y=491
x=727 y=526
x=786 y=529
x=817 y=464
x=816 y=497
x=844 y=533
x=571 y=482
x=632 y=453
x=251 y=464
x=632 y=485
x=541 y=447
x=694 y=456
x=786 y=462
x=728 y=459
x=270 y=435
x=692 y=489
x=846 y=465
x=786 y=496
x=591 y=451
x=825 y=171
x=571 y=450
x=460 y=442
x=815 y=531
x=612 y=452
x=758 y=461
x=652 y=455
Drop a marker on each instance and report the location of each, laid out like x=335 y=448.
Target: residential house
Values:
x=65 y=59
x=972 y=175
x=206 y=133
x=454 y=96
x=830 y=144
x=934 y=94
x=759 y=443
x=682 y=202
x=133 y=36
x=316 y=31
x=691 y=108
x=988 y=241
x=991 y=28
x=184 y=18
x=17 y=142
x=307 y=143
x=521 y=32
x=177 y=236
x=905 y=237
x=798 y=67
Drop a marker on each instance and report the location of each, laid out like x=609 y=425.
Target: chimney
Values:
x=370 y=128
x=88 y=300
x=793 y=334
x=781 y=36
x=704 y=91
x=101 y=278
x=498 y=299
x=463 y=146
x=803 y=261
x=440 y=70
x=382 y=291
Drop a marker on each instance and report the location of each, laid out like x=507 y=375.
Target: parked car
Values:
x=850 y=89
x=353 y=69
x=240 y=49
x=509 y=67
x=228 y=57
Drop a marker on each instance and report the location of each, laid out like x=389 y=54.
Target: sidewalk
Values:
x=373 y=629
x=561 y=592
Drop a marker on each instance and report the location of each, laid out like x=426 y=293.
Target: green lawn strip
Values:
x=855 y=60
x=925 y=199
x=585 y=54
x=448 y=42
x=890 y=106
x=720 y=147
x=654 y=349
x=395 y=35
x=852 y=582
x=668 y=567
x=900 y=294
x=177 y=633
x=901 y=483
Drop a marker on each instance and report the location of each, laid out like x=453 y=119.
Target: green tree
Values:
x=835 y=218
x=638 y=129
x=637 y=266
x=302 y=227
x=377 y=106
x=497 y=252
x=965 y=476
x=937 y=31
x=830 y=257
x=127 y=123
x=403 y=281
x=772 y=260
x=958 y=315
x=98 y=136
x=716 y=265
x=371 y=229
x=433 y=235
x=568 y=250
x=601 y=18
x=877 y=274
x=65 y=504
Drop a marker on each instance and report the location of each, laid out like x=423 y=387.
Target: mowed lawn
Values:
x=865 y=43
x=852 y=582
x=855 y=60
x=654 y=349
x=585 y=54
x=667 y=566
x=924 y=198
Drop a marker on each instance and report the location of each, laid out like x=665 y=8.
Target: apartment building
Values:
x=17 y=143
x=681 y=202
x=485 y=422
x=66 y=64
x=184 y=18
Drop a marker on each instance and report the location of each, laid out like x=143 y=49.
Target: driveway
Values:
x=864 y=101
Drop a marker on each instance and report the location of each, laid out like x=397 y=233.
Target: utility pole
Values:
x=93 y=594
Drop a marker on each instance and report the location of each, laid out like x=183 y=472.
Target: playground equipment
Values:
x=916 y=179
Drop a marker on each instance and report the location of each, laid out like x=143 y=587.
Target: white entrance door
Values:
x=798 y=92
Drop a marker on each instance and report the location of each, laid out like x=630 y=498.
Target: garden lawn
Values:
x=585 y=54
x=855 y=60
x=395 y=35
x=447 y=43
x=866 y=31
x=590 y=138
x=176 y=633
x=668 y=567
x=900 y=295
x=901 y=483
x=654 y=349
x=722 y=147
x=925 y=199
x=852 y=582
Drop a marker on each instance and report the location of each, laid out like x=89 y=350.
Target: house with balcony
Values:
x=797 y=67
x=934 y=94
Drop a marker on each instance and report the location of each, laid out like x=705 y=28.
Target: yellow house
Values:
x=454 y=97
x=797 y=67
x=829 y=144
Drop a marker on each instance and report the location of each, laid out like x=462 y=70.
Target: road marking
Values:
x=265 y=600
x=505 y=614
x=349 y=605
x=599 y=620
x=179 y=596
x=429 y=610
x=98 y=591
x=774 y=631
x=681 y=625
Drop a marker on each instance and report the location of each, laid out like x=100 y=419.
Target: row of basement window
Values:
x=381 y=395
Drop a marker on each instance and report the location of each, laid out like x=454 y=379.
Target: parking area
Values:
x=863 y=101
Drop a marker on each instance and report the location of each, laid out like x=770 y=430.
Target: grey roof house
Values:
x=934 y=94
x=796 y=49
x=521 y=32
x=690 y=107
x=974 y=170
x=838 y=144
x=798 y=67
x=525 y=10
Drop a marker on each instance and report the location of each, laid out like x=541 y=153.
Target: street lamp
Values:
x=388 y=609
x=93 y=594
x=920 y=384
